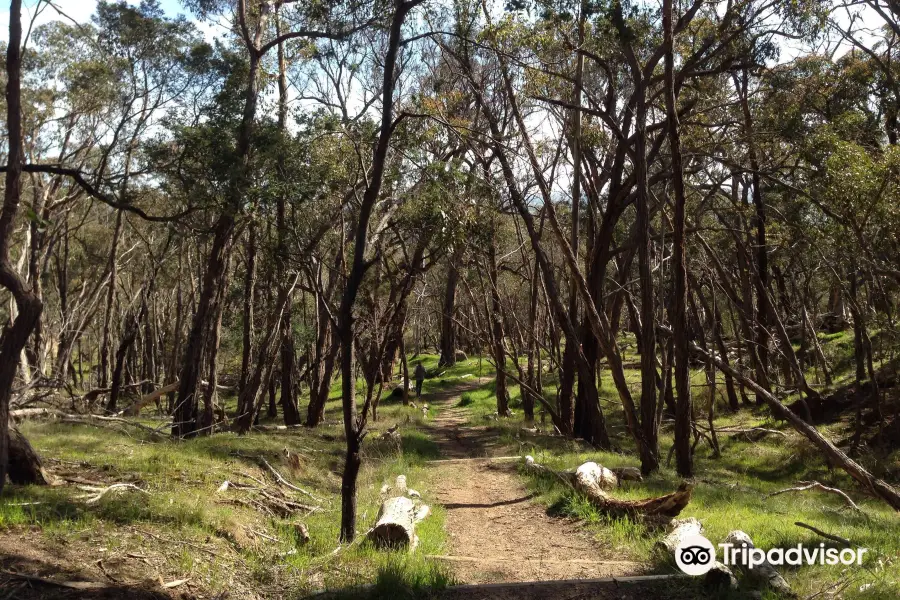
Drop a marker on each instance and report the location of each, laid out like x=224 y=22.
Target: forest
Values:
x=449 y=298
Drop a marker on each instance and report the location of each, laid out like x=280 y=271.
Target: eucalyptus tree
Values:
x=253 y=27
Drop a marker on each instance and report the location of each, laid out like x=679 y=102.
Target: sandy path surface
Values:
x=497 y=533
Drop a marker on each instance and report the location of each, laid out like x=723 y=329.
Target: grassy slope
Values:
x=183 y=505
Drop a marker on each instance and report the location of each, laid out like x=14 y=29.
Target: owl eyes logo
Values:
x=695 y=555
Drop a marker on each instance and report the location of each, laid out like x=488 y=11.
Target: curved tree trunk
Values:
x=14 y=338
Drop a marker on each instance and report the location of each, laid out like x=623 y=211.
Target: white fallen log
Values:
x=720 y=577
x=763 y=573
x=591 y=476
x=395 y=526
x=681 y=530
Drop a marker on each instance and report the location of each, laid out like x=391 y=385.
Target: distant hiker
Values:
x=420 y=378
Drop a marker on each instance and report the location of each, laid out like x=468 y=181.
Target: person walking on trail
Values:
x=420 y=378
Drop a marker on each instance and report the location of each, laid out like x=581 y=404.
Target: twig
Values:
x=285 y=482
x=262 y=535
x=72 y=585
x=804 y=486
x=182 y=542
x=835 y=538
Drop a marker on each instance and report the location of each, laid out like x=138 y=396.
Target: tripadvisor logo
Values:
x=696 y=555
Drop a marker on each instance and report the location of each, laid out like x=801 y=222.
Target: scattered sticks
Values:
x=97 y=493
x=815 y=485
x=285 y=482
x=829 y=536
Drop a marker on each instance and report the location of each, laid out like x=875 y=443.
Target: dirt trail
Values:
x=497 y=533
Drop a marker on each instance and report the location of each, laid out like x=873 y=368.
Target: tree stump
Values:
x=25 y=465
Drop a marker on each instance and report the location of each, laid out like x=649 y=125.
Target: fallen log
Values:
x=763 y=573
x=395 y=526
x=594 y=480
x=89 y=419
x=681 y=530
x=720 y=578
x=135 y=409
x=835 y=456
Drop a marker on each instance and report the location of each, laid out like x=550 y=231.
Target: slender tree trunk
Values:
x=650 y=462
x=528 y=399
x=105 y=337
x=354 y=429
x=211 y=391
x=761 y=276
x=289 y=407
x=128 y=337
x=497 y=333
x=448 y=314
x=404 y=364
x=249 y=297
x=683 y=458
x=185 y=414
x=567 y=374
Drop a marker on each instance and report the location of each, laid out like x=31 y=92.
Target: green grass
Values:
x=731 y=491
x=183 y=505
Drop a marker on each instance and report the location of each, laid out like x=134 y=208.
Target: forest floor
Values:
x=493 y=528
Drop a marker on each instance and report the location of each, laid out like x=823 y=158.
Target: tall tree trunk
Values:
x=13 y=338
x=649 y=426
x=216 y=264
x=448 y=313
x=106 y=335
x=683 y=458
x=326 y=348
x=185 y=415
x=497 y=333
x=249 y=298
x=761 y=275
x=289 y=407
x=567 y=373
x=528 y=399
x=128 y=337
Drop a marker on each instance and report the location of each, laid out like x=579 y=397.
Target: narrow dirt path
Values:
x=497 y=533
